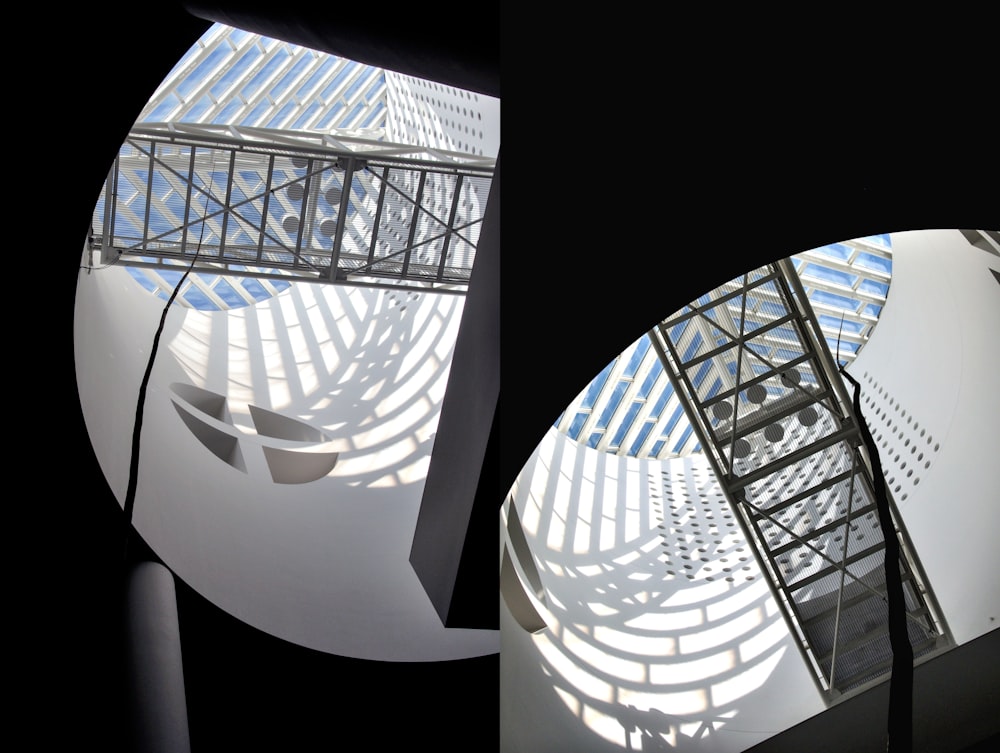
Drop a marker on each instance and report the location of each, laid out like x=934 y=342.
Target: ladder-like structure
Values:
x=251 y=202
x=751 y=366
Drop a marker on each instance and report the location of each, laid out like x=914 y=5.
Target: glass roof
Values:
x=242 y=80
x=630 y=407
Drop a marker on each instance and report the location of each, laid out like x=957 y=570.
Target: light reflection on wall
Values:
x=659 y=622
x=295 y=350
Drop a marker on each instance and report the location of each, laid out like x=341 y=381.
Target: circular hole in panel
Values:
x=296 y=192
x=290 y=223
x=808 y=416
x=722 y=410
x=774 y=433
x=756 y=393
x=741 y=448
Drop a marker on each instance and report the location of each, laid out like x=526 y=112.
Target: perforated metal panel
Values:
x=783 y=439
x=268 y=204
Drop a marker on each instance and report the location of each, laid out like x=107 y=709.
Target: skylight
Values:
x=630 y=407
x=250 y=88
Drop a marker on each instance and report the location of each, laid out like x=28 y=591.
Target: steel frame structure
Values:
x=752 y=368
x=630 y=409
x=252 y=202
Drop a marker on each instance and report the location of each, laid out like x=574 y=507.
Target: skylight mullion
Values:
x=209 y=293
x=204 y=88
x=619 y=411
x=664 y=418
x=262 y=92
x=640 y=419
x=601 y=401
x=290 y=92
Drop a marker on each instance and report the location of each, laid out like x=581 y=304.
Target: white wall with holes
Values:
x=443 y=117
x=931 y=399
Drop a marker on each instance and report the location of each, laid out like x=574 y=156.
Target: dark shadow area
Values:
x=949 y=715
x=754 y=164
x=247 y=690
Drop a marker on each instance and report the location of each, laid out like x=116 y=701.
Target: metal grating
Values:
x=251 y=202
x=778 y=428
x=630 y=409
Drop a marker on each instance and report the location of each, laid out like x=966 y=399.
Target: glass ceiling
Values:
x=630 y=407
x=247 y=82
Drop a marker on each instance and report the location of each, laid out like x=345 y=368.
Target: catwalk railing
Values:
x=757 y=380
x=306 y=206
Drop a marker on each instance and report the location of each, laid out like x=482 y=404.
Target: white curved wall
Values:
x=660 y=628
x=323 y=564
x=929 y=374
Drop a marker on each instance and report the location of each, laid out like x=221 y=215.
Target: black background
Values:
x=646 y=159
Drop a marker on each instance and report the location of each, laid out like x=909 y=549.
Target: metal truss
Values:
x=630 y=408
x=251 y=202
x=751 y=366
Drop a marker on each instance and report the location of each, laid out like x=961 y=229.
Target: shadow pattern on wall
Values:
x=660 y=624
x=295 y=451
x=357 y=381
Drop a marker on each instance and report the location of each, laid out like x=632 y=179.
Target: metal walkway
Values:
x=252 y=202
x=759 y=384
